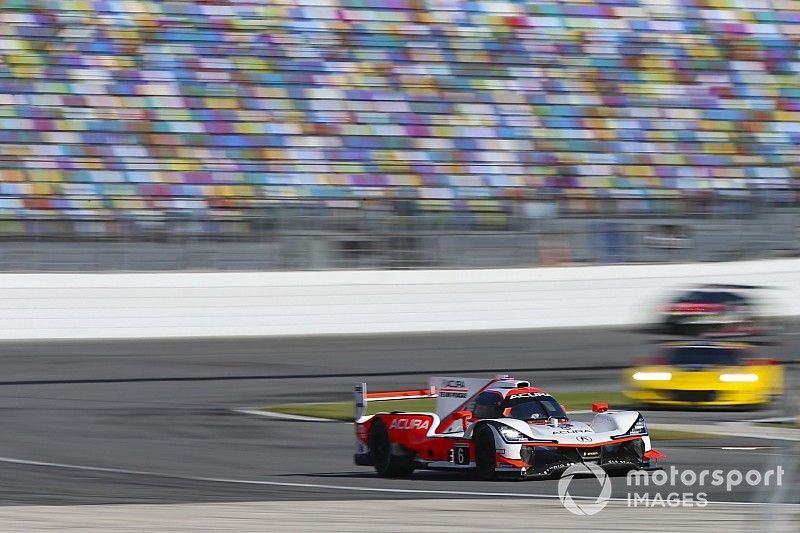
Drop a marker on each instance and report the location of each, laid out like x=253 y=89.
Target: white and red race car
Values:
x=495 y=427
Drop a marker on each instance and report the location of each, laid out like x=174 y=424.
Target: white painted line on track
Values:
x=734 y=429
x=778 y=419
x=12 y=460
x=284 y=416
x=354 y=488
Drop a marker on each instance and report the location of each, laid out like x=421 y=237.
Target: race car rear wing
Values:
x=361 y=396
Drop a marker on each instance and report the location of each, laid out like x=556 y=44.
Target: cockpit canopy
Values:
x=523 y=405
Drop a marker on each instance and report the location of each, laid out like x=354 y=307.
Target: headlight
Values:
x=512 y=435
x=652 y=376
x=738 y=378
x=639 y=427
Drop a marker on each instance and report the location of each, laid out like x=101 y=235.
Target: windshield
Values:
x=703 y=355
x=706 y=297
x=533 y=408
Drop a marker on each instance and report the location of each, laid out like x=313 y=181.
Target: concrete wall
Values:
x=66 y=305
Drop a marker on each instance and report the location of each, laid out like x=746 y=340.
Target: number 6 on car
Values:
x=459 y=455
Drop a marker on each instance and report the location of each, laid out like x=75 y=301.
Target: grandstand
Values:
x=121 y=110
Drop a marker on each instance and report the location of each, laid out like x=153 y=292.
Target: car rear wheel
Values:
x=485 y=460
x=380 y=448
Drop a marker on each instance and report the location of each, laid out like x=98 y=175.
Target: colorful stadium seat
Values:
x=115 y=106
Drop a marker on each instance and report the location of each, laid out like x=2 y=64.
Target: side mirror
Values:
x=465 y=417
x=599 y=407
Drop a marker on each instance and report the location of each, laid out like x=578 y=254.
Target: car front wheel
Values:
x=485 y=459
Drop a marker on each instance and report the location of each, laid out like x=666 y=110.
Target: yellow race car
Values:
x=705 y=374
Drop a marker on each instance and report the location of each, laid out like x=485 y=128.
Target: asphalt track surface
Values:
x=154 y=422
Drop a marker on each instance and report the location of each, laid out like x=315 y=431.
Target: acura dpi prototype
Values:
x=496 y=427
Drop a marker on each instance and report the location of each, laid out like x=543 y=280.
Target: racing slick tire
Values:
x=485 y=460
x=386 y=463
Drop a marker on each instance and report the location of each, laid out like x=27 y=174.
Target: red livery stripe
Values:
x=400 y=394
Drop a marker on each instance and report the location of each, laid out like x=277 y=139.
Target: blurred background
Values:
x=322 y=134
